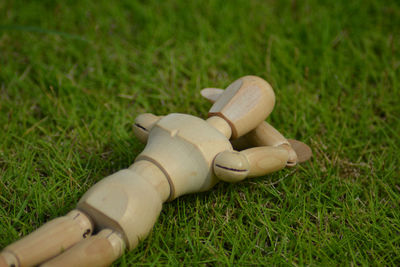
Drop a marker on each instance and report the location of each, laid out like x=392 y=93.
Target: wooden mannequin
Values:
x=184 y=154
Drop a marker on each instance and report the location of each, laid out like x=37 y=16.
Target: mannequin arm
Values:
x=266 y=135
x=143 y=124
x=263 y=135
x=233 y=166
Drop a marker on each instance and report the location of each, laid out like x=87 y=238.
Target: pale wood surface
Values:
x=8 y=259
x=51 y=239
x=264 y=160
x=184 y=147
x=154 y=175
x=3 y=261
x=231 y=166
x=124 y=202
x=244 y=104
x=98 y=250
x=211 y=94
x=262 y=135
x=221 y=125
x=266 y=135
x=143 y=124
x=184 y=154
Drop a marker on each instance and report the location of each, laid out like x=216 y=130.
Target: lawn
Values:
x=74 y=75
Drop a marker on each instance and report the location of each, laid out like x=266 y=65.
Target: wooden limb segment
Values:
x=211 y=94
x=265 y=160
x=266 y=135
x=143 y=124
x=98 y=250
x=233 y=166
x=48 y=241
x=244 y=104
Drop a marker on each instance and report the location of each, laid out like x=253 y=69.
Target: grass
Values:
x=74 y=75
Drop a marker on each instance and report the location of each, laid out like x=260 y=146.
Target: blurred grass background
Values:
x=74 y=74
